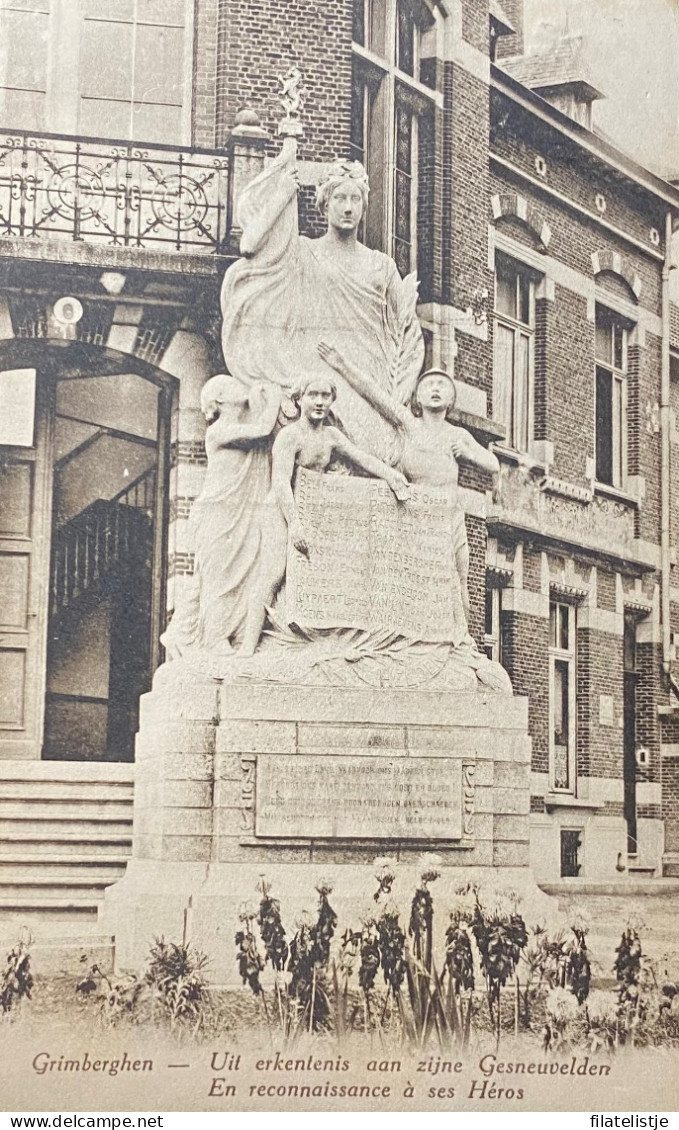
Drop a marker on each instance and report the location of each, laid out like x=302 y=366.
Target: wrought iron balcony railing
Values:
x=120 y=194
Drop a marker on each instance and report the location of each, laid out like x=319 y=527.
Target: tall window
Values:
x=562 y=696
x=611 y=398
x=132 y=69
x=100 y=68
x=392 y=116
x=24 y=42
x=514 y=352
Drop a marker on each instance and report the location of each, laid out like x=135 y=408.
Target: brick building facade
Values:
x=542 y=254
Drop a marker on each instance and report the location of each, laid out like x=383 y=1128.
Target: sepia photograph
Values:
x=339 y=556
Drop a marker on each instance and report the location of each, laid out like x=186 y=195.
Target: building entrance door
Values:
x=84 y=446
x=26 y=436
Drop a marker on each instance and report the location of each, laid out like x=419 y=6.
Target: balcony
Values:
x=113 y=194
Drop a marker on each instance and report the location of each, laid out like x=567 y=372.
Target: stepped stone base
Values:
x=236 y=780
x=65 y=835
x=56 y=954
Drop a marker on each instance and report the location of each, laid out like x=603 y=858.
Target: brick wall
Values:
x=634 y=411
x=648 y=695
x=670 y=802
x=474 y=364
x=476 y=536
x=525 y=642
x=261 y=39
x=599 y=672
x=575 y=238
x=605 y=590
x=570 y=385
x=544 y=345
x=649 y=444
x=205 y=72
x=188 y=451
x=464 y=225
x=674 y=480
x=532 y=570
x=670 y=729
x=512 y=44
x=467 y=99
x=476 y=23
x=429 y=206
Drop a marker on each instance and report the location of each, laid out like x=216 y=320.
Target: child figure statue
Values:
x=224 y=523
x=311 y=442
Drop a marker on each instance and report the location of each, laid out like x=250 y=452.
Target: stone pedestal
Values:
x=299 y=783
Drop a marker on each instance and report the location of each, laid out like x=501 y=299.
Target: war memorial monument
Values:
x=322 y=702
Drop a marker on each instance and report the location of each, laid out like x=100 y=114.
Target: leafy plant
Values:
x=271 y=927
x=460 y=970
x=599 y=1022
x=391 y=944
x=577 y=968
x=309 y=961
x=561 y=1010
x=501 y=936
x=250 y=961
x=305 y=960
x=275 y=943
x=628 y=966
x=383 y=976
x=422 y=917
x=16 y=980
x=303 y=974
x=116 y=999
x=176 y=974
x=543 y=960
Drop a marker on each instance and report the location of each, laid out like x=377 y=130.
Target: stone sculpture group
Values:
x=329 y=539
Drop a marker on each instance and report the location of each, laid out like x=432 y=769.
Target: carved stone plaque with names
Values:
x=374 y=563
x=324 y=797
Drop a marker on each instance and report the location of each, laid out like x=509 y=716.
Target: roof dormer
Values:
x=561 y=76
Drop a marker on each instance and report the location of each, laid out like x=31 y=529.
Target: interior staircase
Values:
x=65 y=835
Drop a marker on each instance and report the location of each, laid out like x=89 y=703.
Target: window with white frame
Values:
x=514 y=350
x=562 y=705
x=611 y=398
x=98 y=68
x=392 y=117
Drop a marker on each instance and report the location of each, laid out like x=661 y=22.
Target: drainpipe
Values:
x=666 y=465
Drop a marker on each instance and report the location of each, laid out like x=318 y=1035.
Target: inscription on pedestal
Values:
x=326 y=797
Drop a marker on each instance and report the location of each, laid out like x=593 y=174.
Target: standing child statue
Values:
x=225 y=519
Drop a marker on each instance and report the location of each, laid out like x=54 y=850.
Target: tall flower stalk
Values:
x=275 y=944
